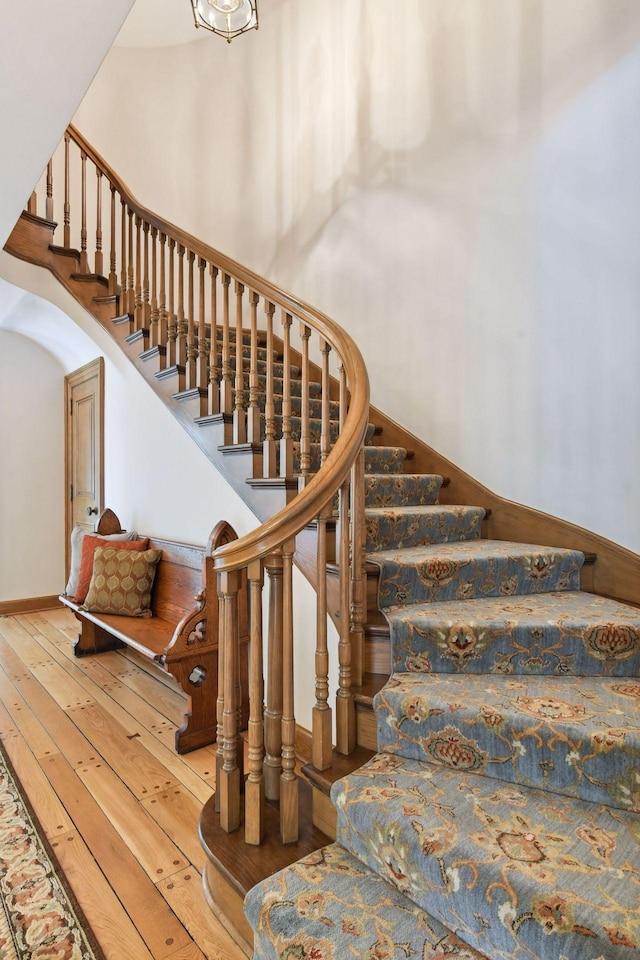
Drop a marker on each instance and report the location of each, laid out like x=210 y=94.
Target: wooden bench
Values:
x=181 y=635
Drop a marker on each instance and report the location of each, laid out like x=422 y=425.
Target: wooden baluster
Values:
x=288 y=779
x=113 y=275
x=222 y=648
x=84 y=260
x=67 y=205
x=273 y=707
x=345 y=705
x=154 y=317
x=254 y=829
x=286 y=442
x=99 y=266
x=269 y=445
x=321 y=718
x=202 y=374
x=172 y=324
x=181 y=326
x=226 y=385
x=32 y=204
x=305 y=437
x=124 y=302
x=253 y=411
x=358 y=571
x=239 y=412
x=229 y=784
x=49 y=201
x=131 y=276
x=162 y=306
x=325 y=428
x=191 y=328
x=146 y=306
x=138 y=307
x=214 y=379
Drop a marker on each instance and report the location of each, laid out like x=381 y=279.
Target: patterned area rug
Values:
x=39 y=916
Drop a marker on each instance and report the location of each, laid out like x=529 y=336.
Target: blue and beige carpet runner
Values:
x=500 y=817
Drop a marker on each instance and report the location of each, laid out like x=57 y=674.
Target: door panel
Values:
x=84 y=397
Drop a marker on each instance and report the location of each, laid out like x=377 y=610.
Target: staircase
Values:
x=498 y=817
x=484 y=789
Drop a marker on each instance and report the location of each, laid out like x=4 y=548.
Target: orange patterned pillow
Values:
x=89 y=546
x=122 y=581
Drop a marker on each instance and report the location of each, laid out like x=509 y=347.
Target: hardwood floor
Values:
x=92 y=742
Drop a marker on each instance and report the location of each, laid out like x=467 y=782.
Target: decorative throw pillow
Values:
x=77 y=536
x=122 y=581
x=89 y=545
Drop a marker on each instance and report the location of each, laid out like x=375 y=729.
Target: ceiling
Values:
x=160 y=23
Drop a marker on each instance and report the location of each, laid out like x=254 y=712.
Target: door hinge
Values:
x=70 y=491
x=70 y=406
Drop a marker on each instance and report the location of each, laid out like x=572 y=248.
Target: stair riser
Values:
x=455 y=644
x=395 y=491
x=547 y=734
x=523 y=875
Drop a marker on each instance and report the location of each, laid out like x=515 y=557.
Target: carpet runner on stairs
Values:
x=500 y=817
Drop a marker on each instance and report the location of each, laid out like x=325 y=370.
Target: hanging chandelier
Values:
x=227 y=18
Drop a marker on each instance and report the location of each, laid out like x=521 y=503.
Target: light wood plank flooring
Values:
x=92 y=742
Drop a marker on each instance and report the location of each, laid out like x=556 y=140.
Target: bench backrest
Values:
x=178 y=579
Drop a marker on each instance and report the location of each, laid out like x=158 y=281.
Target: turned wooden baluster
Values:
x=124 y=303
x=99 y=265
x=146 y=305
x=192 y=349
x=288 y=779
x=269 y=445
x=239 y=412
x=162 y=306
x=253 y=411
x=273 y=707
x=84 y=259
x=113 y=276
x=358 y=571
x=254 y=800
x=202 y=374
x=228 y=785
x=325 y=426
x=67 y=205
x=305 y=436
x=222 y=649
x=154 y=316
x=286 y=441
x=214 y=378
x=131 y=295
x=172 y=323
x=345 y=705
x=138 y=307
x=49 y=201
x=181 y=326
x=226 y=384
x=32 y=204
x=322 y=715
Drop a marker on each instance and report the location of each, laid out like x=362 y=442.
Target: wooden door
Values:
x=84 y=435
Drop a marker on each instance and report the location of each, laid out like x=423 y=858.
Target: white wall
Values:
x=464 y=172
x=31 y=469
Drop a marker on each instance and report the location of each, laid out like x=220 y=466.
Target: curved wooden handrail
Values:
x=306 y=506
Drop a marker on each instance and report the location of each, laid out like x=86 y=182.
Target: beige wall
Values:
x=457 y=185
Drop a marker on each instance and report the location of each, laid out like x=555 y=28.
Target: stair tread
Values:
x=473 y=568
x=579 y=736
x=547 y=858
x=384 y=489
x=364 y=916
x=565 y=632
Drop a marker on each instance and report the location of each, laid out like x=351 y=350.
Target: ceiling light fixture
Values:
x=227 y=18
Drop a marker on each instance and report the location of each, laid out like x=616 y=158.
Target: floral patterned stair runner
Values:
x=504 y=798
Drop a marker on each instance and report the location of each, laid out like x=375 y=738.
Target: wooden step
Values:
x=232 y=868
x=324 y=814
